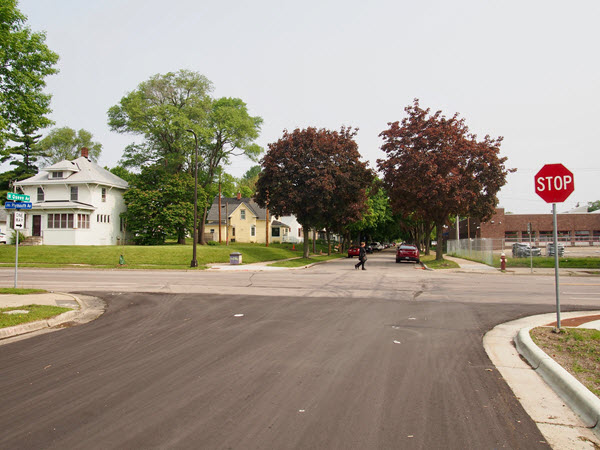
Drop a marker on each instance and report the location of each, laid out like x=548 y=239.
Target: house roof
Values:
x=62 y=204
x=277 y=223
x=83 y=171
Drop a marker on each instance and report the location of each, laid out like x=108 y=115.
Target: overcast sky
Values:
x=527 y=70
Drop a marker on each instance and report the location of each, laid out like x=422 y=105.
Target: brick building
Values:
x=574 y=228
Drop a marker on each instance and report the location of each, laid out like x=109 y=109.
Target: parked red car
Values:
x=353 y=251
x=407 y=252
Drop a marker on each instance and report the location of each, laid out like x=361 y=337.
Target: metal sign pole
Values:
x=16 y=257
x=556 y=276
x=530 y=247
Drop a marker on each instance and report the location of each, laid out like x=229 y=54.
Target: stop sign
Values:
x=554 y=183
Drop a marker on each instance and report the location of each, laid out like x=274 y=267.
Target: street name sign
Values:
x=17 y=205
x=18 y=197
x=554 y=183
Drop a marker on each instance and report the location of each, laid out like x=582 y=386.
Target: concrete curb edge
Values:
x=30 y=327
x=576 y=395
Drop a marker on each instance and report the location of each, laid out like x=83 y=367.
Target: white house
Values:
x=74 y=203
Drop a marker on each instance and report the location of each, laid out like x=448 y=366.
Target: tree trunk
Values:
x=181 y=236
x=306 y=232
x=439 y=236
x=328 y=242
x=200 y=229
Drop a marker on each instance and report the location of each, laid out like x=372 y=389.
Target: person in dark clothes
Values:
x=362 y=257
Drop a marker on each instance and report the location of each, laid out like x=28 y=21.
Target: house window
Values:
x=60 y=221
x=275 y=232
x=103 y=194
x=253 y=230
x=233 y=231
x=299 y=232
x=83 y=220
x=242 y=214
x=56 y=175
x=74 y=193
x=40 y=194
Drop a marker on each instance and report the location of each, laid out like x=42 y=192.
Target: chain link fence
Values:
x=481 y=250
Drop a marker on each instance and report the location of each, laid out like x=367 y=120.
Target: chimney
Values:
x=239 y=195
x=85 y=152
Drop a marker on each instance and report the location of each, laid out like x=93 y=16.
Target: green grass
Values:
x=544 y=262
x=575 y=349
x=432 y=263
x=36 y=312
x=141 y=257
x=21 y=291
x=299 y=262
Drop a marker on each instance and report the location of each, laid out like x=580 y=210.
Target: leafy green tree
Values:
x=66 y=143
x=246 y=185
x=123 y=173
x=25 y=62
x=161 y=205
x=161 y=110
x=231 y=132
x=594 y=206
x=166 y=108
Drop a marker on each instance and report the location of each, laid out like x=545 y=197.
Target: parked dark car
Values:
x=522 y=249
x=550 y=249
x=353 y=251
x=407 y=252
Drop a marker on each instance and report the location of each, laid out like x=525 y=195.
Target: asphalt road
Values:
x=387 y=358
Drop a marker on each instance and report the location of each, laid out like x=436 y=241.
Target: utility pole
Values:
x=219 y=209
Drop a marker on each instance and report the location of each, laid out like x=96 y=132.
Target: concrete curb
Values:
x=576 y=395
x=30 y=327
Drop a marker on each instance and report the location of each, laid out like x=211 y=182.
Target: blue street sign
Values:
x=17 y=205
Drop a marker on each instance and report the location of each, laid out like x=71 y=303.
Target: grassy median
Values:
x=577 y=350
x=28 y=313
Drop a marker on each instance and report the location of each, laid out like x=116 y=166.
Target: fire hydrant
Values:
x=502 y=262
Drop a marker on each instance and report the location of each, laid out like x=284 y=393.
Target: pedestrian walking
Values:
x=362 y=257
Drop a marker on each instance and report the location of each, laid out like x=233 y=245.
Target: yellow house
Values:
x=242 y=220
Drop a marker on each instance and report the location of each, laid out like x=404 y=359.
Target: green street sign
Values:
x=18 y=197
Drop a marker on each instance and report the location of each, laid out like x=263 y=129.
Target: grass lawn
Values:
x=19 y=291
x=169 y=256
x=577 y=350
x=36 y=312
x=544 y=262
x=430 y=261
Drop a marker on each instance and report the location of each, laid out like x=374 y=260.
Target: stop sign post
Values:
x=554 y=183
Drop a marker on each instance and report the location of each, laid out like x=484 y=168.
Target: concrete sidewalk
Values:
x=546 y=389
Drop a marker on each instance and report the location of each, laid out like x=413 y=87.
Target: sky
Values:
x=525 y=70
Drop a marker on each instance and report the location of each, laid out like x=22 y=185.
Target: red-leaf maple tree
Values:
x=436 y=169
x=316 y=175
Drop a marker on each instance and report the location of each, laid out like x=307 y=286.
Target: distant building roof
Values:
x=83 y=171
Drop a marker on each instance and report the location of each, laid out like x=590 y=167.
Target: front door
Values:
x=37 y=225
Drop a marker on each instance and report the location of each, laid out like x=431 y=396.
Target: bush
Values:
x=13 y=237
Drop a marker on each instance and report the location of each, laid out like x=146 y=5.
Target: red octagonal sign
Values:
x=554 y=183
